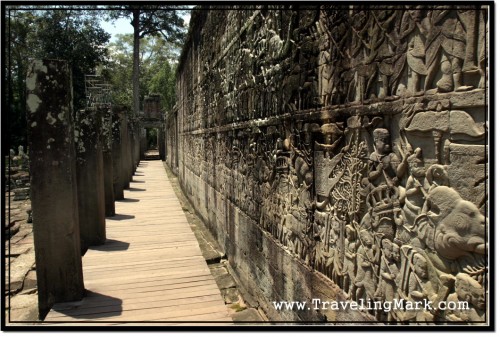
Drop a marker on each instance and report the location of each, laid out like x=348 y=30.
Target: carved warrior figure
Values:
x=389 y=274
x=366 y=258
x=386 y=167
x=351 y=247
x=325 y=67
x=446 y=48
x=420 y=288
x=415 y=27
x=384 y=192
x=415 y=194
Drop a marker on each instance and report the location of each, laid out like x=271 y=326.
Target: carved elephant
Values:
x=452 y=226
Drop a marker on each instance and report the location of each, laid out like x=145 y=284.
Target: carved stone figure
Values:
x=446 y=48
x=366 y=257
x=415 y=30
x=453 y=227
x=389 y=274
x=385 y=194
x=351 y=247
x=21 y=160
x=386 y=167
x=420 y=289
x=415 y=193
x=471 y=292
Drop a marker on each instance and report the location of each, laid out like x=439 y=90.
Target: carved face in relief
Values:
x=395 y=252
x=382 y=141
x=477 y=296
x=461 y=287
x=469 y=290
x=366 y=238
x=415 y=162
x=387 y=247
x=420 y=266
x=416 y=15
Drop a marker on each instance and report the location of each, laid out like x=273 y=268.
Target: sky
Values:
x=123 y=26
x=120 y=26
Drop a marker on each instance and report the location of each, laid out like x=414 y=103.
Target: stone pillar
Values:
x=132 y=151
x=107 y=156
x=90 y=178
x=54 y=198
x=116 y=152
x=109 y=194
x=137 y=147
x=125 y=152
x=144 y=143
x=161 y=142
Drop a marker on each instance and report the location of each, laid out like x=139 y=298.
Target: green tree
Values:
x=75 y=36
x=19 y=30
x=70 y=34
x=119 y=69
x=149 y=20
x=163 y=83
x=156 y=57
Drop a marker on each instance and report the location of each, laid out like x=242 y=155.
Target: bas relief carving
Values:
x=373 y=190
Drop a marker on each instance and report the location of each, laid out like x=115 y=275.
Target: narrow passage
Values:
x=151 y=267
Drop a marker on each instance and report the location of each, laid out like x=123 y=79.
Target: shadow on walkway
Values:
x=120 y=217
x=128 y=200
x=94 y=305
x=135 y=189
x=111 y=245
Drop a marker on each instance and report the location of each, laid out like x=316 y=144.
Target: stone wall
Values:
x=340 y=153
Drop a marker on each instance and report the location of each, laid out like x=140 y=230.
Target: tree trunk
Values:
x=135 y=74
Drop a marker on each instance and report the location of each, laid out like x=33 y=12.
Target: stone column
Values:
x=54 y=198
x=116 y=151
x=132 y=151
x=109 y=194
x=161 y=142
x=144 y=143
x=137 y=147
x=125 y=152
x=90 y=178
x=107 y=156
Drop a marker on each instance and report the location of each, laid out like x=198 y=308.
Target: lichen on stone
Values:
x=51 y=120
x=33 y=102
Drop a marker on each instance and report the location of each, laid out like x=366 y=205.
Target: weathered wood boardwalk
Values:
x=151 y=269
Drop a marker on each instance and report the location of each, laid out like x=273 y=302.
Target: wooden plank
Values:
x=148 y=314
x=166 y=261
x=111 y=307
x=90 y=301
x=174 y=252
x=150 y=269
x=136 y=266
x=172 y=288
x=166 y=274
x=145 y=283
x=103 y=281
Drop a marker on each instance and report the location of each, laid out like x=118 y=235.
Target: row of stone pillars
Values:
x=82 y=162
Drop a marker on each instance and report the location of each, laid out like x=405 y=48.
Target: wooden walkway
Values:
x=151 y=269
